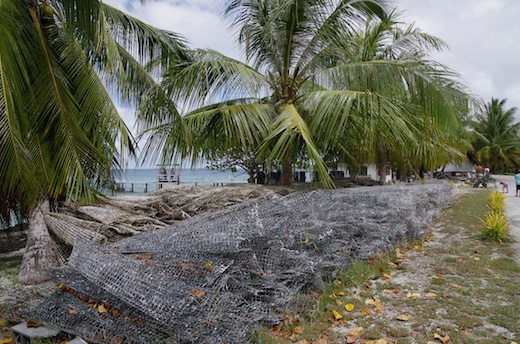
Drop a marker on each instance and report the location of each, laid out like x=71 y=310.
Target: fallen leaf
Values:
x=351 y=338
x=6 y=341
x=455 y=285
x=33 y=323
x=392 y=265
x=298 y=330
x=73 y=311
x=387 y=276
x=197 y=293
x=148 y=262
x=102 y=309
x=287 y=334
x=430 y=295
x=340 y=292
x=337 y=316
x=365 y=311
x=350 y=307
x=404 y=317
x=437 y=276
x=114 y=312
x=412 y=295
x=303 y=341
x=445 y=340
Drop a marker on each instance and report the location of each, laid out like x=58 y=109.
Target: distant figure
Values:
x=505 y=187
x=517 y=182
x=172 y=175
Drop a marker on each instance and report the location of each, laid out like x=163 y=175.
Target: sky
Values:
x=482 y=36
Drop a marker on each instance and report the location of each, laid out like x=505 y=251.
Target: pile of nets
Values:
x=213 y=277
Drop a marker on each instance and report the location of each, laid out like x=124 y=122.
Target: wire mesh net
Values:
x=213 y=277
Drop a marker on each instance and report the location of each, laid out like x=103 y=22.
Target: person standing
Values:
x=517 y=182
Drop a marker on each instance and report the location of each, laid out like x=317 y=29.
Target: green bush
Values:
x=495 y=226
x=497 y=202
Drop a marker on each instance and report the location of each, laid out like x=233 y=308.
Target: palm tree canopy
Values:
x=308 y=87
x=497 y=135
x=60 y=132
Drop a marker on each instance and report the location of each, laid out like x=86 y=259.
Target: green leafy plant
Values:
x=497 y=202
x=495 y=226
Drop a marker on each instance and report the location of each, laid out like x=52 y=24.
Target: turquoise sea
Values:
x=142 y=180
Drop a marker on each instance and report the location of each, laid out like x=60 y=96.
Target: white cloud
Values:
x=482 y=35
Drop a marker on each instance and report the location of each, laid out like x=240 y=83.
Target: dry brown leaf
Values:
x=445 y=340
x=197 y=293
x=33 y=323
x=298 y=330
x=403 y=317
x=73 y=311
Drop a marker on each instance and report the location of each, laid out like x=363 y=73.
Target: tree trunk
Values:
x=382 y=166
x=287 y=177
x=39 y=251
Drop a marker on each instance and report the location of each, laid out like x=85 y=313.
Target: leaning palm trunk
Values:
x=39 y=254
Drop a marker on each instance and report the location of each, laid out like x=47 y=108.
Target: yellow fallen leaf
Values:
x=6 y=341
x=411 y=295
x=387 y=276
x=445 y=340
x=430 y=295
x=365 y=311
x=404 y=317
x=102 y=309
x=73 y=311
x=340 y=292
x=437 y=276
x=350 y=307
x=337 y=316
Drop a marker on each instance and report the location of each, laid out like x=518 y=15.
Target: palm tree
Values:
x=497 y=137
x=60 y=132
x=304 y=92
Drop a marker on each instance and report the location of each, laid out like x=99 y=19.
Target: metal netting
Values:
x=212 y=277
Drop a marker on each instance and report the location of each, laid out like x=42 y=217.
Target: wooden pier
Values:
x=146 y=187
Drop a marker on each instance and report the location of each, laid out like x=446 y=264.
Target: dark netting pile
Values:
x=213 y=277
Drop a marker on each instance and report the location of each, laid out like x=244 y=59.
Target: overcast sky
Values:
x=482 y=34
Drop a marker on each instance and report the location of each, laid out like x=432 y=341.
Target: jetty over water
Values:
x=145 y=187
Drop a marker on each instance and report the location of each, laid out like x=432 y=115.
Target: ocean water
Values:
x=145 y=179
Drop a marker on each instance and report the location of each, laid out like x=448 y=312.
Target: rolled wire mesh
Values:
x=212 y=277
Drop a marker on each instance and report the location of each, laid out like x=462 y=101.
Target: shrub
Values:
x=495 y=226
x=497 y=202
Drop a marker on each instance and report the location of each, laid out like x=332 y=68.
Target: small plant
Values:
x=495 y=226
x=497 y=202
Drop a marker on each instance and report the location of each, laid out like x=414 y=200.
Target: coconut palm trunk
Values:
x=287 y=178
x=39 y=252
